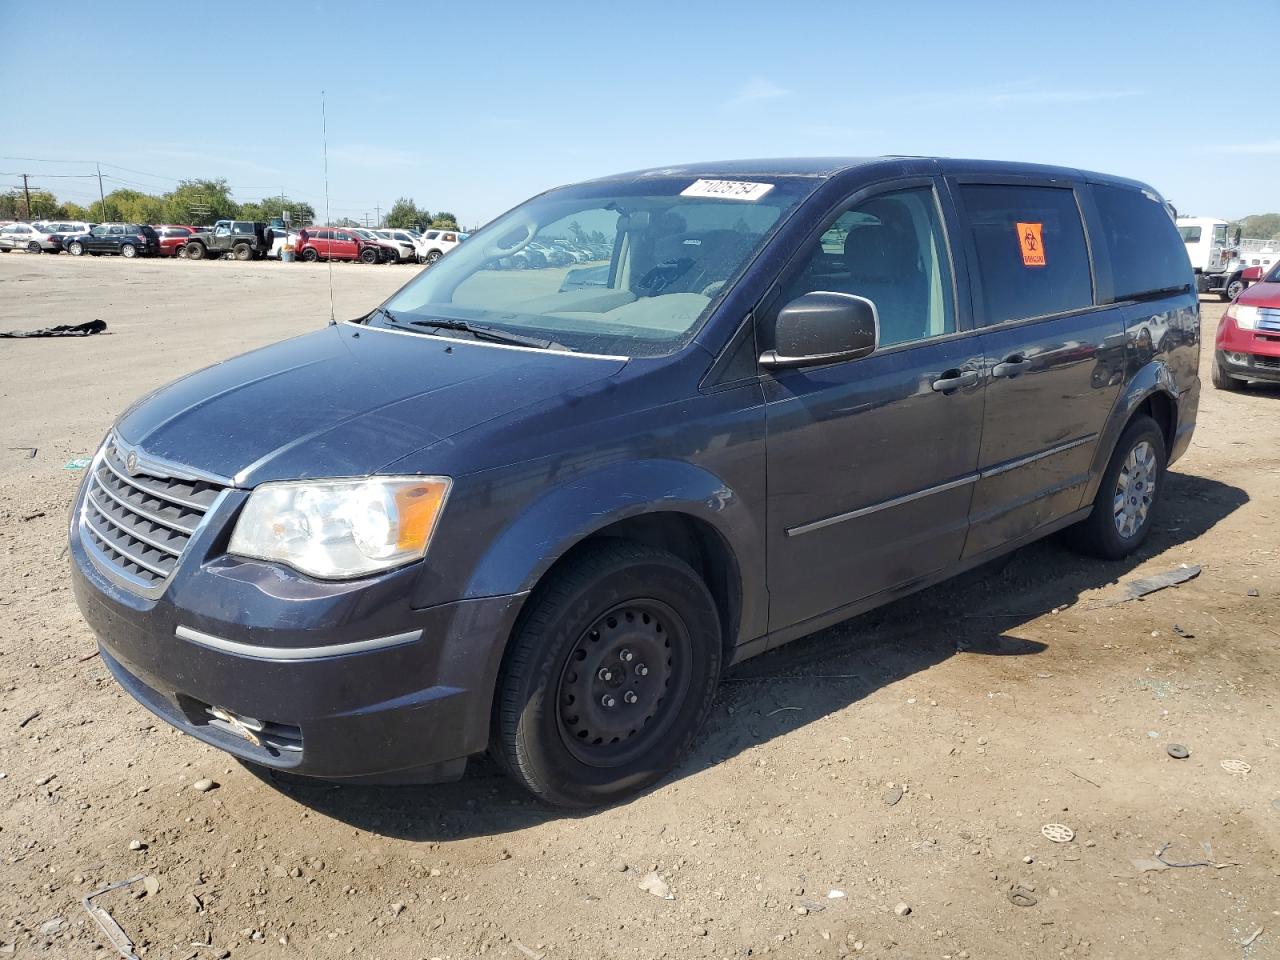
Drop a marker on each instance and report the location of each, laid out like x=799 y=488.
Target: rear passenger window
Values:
x=1147 y=254
x=1032 y=256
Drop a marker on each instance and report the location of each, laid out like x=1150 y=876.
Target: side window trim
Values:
x=770 y=303
x=1076 y=187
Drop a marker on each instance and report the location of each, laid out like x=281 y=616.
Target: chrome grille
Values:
x=141 y=521
x=1268 y=319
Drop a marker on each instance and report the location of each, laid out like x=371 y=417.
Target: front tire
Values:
x=1128 y=495
x=1223 y=380
x=610 y=674
x=369 y=255
x=432 y=257
x=76 y=249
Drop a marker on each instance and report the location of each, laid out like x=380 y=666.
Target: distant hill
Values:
x=1259 y=226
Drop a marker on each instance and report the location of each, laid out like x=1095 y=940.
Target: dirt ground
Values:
x=907 y=757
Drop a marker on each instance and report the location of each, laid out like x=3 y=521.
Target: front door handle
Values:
x=1011 y=367
x=954 y=380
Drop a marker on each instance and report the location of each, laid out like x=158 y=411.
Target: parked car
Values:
x=436 y=243
x=280 y=237
x=388 y=250
x=336 y=243
x=173 y=238
x=404 y=241
x=243 y=239
x=126 y=239
x=542 y=523
x=1248 y=342
x=31 y=237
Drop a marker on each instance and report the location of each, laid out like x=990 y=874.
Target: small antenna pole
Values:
x=324 y=137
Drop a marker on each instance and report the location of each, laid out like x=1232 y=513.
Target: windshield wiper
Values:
x=482 y=333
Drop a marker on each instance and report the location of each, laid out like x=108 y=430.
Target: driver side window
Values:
x=891 y=249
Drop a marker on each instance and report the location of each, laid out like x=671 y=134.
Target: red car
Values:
x=1248 y=344
x=173 y=238
x=335 y=243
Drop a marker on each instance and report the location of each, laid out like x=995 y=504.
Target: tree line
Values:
x=199 y=203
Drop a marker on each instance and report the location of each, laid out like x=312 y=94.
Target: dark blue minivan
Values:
x=538 y=509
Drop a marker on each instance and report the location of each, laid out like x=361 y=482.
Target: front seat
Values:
x=883 y=261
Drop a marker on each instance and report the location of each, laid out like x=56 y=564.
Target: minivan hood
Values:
x=343 y=401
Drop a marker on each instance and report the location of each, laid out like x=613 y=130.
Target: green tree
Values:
x=270 y=208
x=200 y=202
x=13 y=205
x=73 y=211
x=444 y=221
x=133 y=206
x=1259 y=226
x=404 y=213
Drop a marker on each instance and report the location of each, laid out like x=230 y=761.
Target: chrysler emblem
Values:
x=131 y=463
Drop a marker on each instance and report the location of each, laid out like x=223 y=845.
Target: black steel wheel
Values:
x=616 y=681
x=608 y=677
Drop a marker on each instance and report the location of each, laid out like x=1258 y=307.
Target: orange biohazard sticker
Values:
x=1032 y=245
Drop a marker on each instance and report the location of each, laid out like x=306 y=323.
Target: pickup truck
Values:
x=243 y=239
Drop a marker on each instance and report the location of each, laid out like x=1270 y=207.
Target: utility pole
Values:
x=378 y=210
x=27 y=192
x=101 y=196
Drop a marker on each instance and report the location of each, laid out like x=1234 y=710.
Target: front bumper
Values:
x=1254 y=367
x=1247 y=354
x=260 y=643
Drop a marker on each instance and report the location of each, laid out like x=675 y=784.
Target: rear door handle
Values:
x=954 y=380
x=1011 y=367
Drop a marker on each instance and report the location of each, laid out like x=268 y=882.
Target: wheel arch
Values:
x=673 y=505
x=1152 y=392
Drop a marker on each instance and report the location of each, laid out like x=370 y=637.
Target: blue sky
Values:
x=472 y=107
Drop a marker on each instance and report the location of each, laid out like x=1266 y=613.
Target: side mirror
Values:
x=823 y=327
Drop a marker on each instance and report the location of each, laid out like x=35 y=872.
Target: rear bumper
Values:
x=346 y=683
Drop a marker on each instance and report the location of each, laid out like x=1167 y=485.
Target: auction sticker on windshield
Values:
x=726 y=189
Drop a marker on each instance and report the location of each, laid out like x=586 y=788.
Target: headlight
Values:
x=337 y=529
x=1246 y=318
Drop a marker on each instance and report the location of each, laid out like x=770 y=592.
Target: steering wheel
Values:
x=497 y=249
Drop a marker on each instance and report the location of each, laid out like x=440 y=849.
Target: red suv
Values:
x=1248 y=344
x=335 y=243
x=173 y=238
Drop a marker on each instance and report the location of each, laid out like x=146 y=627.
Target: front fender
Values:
x=574 y=510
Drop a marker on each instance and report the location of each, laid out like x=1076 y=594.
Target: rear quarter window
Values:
x=1147 y=254
x=1032 y=258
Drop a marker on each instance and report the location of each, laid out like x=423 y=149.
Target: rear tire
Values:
x=1234 y=289
x=241 y=251
x=1223 y=380
x=608 y=677
x=310 y=255
x=195 y=251
x=128 y=251
x=1128 y=495
x=33 y=247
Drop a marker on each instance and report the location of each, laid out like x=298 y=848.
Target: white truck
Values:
x=1221 y=259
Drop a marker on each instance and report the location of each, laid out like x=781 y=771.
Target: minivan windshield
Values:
x=630 y=268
